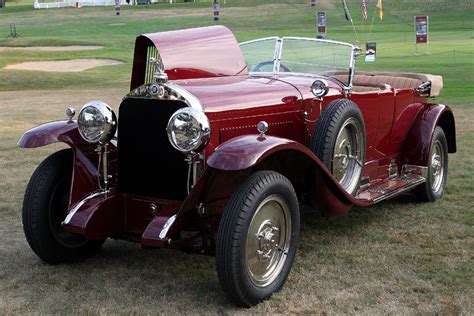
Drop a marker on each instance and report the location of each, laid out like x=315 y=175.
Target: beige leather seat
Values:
x=366 y=82
x=394 y=82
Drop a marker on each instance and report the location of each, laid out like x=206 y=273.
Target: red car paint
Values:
x=208 y=63
x=194 y=53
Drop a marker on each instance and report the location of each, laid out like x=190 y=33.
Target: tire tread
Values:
x=228 y=249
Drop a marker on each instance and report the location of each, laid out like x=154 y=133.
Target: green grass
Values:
x=451 y=40
x=398 y=257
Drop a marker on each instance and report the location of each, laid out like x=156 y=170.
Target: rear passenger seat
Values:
x=365 y=82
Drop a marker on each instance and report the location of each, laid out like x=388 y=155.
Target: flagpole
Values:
x=353 y=27
x=363 y=25
x=346 y=8
x=371 y=24
x=364 y=17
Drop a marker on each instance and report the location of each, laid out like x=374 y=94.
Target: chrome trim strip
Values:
x=80 y=204
x=415 y=170
x=167 y=226
x=399 y=190
x=187 y=96
x=277 y=56
x=172 y=91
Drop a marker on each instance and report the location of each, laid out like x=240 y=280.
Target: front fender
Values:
x=416 y=148
x=294 y=160
x=233 y=161
x=85 y=171
x=246 y=151
x=52 y=132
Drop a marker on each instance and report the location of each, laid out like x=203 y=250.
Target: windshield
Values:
x=299 y=55
x=260 y=54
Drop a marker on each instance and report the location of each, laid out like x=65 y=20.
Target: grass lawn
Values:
x=396 y=257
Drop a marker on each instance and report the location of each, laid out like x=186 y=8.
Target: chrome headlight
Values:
x=97 y=122
x=188 y=130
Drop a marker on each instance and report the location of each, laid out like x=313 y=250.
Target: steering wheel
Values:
x=259 y=67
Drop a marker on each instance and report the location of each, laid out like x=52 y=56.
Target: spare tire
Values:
x=339 y=141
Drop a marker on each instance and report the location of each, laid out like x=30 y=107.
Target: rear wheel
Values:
x=45 y=207
x=257 y=238
x=433 y=188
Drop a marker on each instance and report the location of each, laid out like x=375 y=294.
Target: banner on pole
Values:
x=321 y=22
x=117 y=7
x=364 y=10
x=380 y=7
x=370 y=51
x=216 y=10
x=421 y=29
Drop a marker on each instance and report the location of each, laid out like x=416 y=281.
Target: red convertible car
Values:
x=217 y=144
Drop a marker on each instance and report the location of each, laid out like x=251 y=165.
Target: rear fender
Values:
x=416 y=148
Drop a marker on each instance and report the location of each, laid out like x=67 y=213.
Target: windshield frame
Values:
x=279 y=45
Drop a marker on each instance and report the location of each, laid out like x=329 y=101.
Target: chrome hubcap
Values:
x=268 y=240
x=437 y=171
x=347 y=157
x=265 y=240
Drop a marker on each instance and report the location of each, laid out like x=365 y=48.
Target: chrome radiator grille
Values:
x=152 y=52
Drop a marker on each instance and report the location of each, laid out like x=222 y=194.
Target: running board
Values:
x=411 y=177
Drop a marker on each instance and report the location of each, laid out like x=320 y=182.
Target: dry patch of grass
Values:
x=70 y=65
x=50 y=48
x=397 y=257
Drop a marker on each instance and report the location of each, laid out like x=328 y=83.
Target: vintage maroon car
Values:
x=217 y=144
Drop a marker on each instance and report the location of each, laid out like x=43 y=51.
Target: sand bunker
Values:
x=72 y=65
x=49 y=48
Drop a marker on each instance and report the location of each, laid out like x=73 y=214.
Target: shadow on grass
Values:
x=124 y=277
x=358 y=218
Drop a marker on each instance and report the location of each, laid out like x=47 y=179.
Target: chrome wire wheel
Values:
x=437 y=163
x=347 y=155
x=268 y=240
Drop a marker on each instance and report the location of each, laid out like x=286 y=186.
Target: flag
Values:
x=364 y=10
x=347 y=14
x=379 y=5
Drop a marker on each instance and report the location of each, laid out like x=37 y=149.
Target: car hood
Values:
x=239 y=92
x=245 y=92
x=191 y=53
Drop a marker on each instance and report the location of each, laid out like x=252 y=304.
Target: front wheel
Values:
x=45 y=207
x=257 y=238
